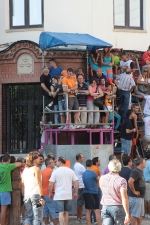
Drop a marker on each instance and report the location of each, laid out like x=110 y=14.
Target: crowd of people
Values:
x=111 y=87
x=120 y=195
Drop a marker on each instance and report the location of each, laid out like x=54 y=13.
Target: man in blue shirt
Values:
x=54 y=69
x=90 y=180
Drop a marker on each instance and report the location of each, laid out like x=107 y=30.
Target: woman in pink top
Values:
x=95 y=92
x=115 y=203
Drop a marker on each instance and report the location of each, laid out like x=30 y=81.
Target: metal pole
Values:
x=42 y=59
x=67 y=114
x=87 y=64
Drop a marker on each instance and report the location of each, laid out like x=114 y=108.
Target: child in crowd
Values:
x=55 y=99
x=108 y=102
x=61 y=100
x=116 y=62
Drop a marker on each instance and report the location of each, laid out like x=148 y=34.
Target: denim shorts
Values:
x=62 y=106
x=136 y=206
x=80 y=200
x=63 y=205
x=126 y=146
x=113 y=214
x=49 y=208
x=5 y=198
x=34 y=214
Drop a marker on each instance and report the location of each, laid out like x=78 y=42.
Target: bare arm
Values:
x=45 y=88
x=125 y=204
x=76 y=184
x=17 y=164
x=128 y=131
x=50 y=187
x=131 y=186
x=84 y=91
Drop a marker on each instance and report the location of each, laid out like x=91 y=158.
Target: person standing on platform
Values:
x=54 y=69
x=79 y=169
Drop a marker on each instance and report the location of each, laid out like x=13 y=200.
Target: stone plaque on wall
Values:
x=25 y=64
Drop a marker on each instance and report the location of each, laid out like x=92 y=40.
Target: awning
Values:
x=52 y=39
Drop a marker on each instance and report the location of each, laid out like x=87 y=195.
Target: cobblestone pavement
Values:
x=72 y=221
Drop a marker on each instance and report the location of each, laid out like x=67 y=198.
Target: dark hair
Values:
x=106 y=53
x=78 y=156
x=40 y=155
x=128 y=113
x=70 y=70
x=107 y=84
x=124 y=53
x=148 y=155
x=138 y=161
x=12 y=159
x=111 y=157
x=52 y=60
x=125 y=159
x=91 y=81
x=5 y=157
x=56 y=78
x=20 y=159
x=95 y=160
x=134 y=105
x=49 y=156
x=89 y=163
x=101 y=79
x=47 y=161
x=61 y=159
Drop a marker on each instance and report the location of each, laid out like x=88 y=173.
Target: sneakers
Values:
x=48 y=108
x=61 y=127
x=80 y=221
x=72 y=127
x=106 y=126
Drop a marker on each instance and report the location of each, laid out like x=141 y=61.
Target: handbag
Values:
x=142 y=88
x=98 y=101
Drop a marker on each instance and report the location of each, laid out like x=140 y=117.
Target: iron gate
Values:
x=21 y=115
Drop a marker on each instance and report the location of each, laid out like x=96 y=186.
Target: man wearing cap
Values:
x=136 y=192
x=146 y=60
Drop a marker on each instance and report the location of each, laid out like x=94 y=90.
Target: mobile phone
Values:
x=39 y=204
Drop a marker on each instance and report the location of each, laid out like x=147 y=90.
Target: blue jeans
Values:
x=34 y=215
x=125 y=98
x=113 y=214
x=56 y=115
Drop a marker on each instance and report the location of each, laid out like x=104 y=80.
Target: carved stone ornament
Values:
x=25 y=64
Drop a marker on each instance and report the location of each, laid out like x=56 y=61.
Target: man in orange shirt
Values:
x=95 y=168
x=49 y=207
x=69 y=84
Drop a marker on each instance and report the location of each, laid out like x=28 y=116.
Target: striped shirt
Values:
x=126 y=82
x=82 y=97
x=110 y=185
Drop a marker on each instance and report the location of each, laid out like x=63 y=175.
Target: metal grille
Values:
x=21 y=112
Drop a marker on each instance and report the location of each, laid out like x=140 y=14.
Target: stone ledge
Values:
x=24 y=30
x=129 y=31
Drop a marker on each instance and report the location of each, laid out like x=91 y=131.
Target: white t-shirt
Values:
x=147 y=125
x=147 y=105
x=79 y=169
x=63 y=178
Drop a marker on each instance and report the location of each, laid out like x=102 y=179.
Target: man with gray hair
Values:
x=115 y=204
x=46 y=85
x=136 y=192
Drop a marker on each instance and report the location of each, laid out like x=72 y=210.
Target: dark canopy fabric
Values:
x=52 y=39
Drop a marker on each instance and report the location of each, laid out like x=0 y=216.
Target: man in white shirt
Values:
x=147 y=105
x=146 y=138
x=62 y=178
x=79 y=169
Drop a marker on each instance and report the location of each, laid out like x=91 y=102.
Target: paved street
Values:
x=72 y=221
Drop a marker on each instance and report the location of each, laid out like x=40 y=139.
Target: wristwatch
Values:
x=42 y=197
